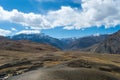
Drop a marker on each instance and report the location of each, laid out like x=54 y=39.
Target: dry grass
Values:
x=105 y=62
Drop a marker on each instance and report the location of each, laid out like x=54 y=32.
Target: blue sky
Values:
x=59 y=18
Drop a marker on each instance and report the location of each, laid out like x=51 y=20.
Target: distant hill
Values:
x=109 y=45
x=24 y=45
x=39 y=38
x=86 y=42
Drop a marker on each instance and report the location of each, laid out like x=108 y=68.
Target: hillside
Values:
x=109 y=45
x=66 y=66
x=26 y=60
x=24 y=46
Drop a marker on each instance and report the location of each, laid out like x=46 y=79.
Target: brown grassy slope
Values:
x=106 y=64
x=18 y=56
x=25 y=46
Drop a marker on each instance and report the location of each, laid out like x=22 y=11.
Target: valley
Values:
x=22 y=58
x=59 y=39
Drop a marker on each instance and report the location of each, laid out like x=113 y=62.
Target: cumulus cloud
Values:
x=4 y=32
x=29 y=32
x=102 y=12
x=35 y=21
x=13 y=29
x=93 y=13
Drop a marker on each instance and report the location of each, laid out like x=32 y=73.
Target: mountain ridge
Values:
x=109 y=45
x=63 y=44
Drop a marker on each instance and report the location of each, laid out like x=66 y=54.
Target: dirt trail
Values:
x=66 y=74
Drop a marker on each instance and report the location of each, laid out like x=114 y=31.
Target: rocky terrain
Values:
x=109 y=45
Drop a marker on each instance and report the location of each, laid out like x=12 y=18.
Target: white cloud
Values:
x=13 y=29
x=4 y=32
x=93 y=13
x=26 y=27
x=102 y=12
x=29 y=32
x=97 y=34
x=66 y=16
x=35 y=21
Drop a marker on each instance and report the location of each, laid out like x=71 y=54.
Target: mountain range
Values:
x=97 y=44
x=39 y=38
x=63 y=44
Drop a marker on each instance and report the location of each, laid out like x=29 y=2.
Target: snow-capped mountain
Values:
x=40 y=38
